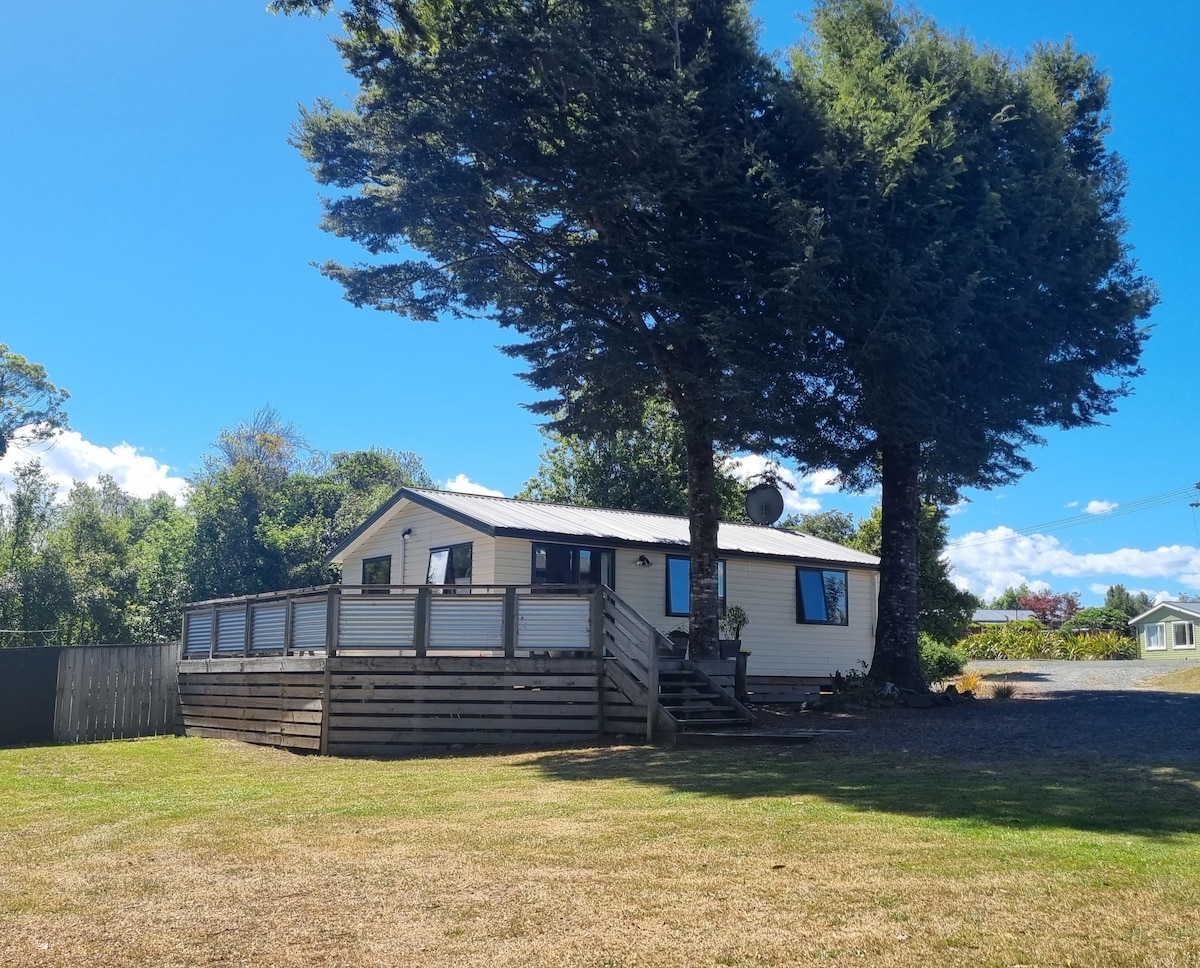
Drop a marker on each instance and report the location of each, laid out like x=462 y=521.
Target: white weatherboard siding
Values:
x=781 y=646
x=760 y=569
x=429 y=530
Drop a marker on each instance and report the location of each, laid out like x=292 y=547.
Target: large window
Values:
x=449 y=566
x=1184 y=634
x=555 y=564
x=679 y=597
x=1156 y=638
x=821 y=597
x=377 y=571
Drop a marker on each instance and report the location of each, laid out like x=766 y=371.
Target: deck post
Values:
x=332 y=620
x=248 y=629
x=289 y=617
x=597 y=621
x=509 y=628
x=421 y=622
x=212 y=634
x=651 y=682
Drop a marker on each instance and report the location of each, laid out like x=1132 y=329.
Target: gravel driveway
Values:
x=1104 y=710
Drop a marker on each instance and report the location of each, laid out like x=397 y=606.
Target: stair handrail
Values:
x=634 y=644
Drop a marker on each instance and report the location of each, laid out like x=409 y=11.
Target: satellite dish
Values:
x=764 y=504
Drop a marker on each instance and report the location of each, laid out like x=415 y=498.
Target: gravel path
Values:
x=1103 y=710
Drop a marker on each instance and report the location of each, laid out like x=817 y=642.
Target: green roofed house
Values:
x=1167 y=631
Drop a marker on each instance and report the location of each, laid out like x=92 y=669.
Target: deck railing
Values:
x=360 y=670
x=417 y=620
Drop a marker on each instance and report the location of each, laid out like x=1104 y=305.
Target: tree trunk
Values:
x=896 y=657
x=702 y=512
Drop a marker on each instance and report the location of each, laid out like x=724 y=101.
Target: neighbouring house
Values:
x=984 y=617
x=811 y=602
x=1167 y=631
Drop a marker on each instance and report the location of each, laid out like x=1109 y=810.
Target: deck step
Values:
x=696 y=704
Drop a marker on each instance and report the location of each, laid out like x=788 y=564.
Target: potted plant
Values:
x=732 y=622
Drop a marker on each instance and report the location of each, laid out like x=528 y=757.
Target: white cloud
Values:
x=1072 y=504
x=988 y=562
x=1100 y=507
x=800 y=498
x=68 y=458
x=464 y=485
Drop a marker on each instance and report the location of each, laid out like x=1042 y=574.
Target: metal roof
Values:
x=509 y=517
x=996 y=616
x=1186 y=608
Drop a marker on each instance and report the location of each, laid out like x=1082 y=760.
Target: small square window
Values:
x=1156 y=638
x=377 y=571
x=821 y=597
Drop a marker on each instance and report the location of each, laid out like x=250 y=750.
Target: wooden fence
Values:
x=525 y=670
x=86 y=693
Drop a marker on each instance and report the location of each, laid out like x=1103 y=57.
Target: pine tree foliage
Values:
x=981 y=286
x=599 y=176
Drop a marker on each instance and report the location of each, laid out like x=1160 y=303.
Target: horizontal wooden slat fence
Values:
x=517 y=670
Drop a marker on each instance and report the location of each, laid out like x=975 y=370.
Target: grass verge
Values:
x=188 y=852
x=1181 y=680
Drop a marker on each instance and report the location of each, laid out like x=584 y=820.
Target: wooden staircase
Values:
x=692 y=702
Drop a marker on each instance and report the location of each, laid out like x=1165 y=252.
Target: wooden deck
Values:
x=409 y=669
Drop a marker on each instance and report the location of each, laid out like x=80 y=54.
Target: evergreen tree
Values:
x=601 y=177
x=981 y=288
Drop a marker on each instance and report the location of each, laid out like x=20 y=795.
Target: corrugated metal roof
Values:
x=515 y=518
x=994 y=616
x=1186 y=608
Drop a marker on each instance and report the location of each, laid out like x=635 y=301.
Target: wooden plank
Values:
x=287 y=742
x=199 y=710
x=358 y=664
x=580 y=681
x=359 y=743
x=481 y=726
x=259 y=679
x=356 y=698
x=254 y=726
x=255 y=664
x=252 y=702
x=342 y=711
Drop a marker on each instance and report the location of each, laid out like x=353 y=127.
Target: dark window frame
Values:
x=722 y=590
x=597 y=554
x=801 y=614
x=450 y=564
x=374 y=587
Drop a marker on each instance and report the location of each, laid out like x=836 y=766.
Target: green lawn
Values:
x=182 y=852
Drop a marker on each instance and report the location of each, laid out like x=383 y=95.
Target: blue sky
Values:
x=158 y=230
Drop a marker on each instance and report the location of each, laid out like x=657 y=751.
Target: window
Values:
x=1184 y=635
x=555 y=564
x=821 y=597
x=1156 y=638
x=377 y=571
x=449 y=566
x=679 y=598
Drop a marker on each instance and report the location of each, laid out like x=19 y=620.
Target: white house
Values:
x=811 y=602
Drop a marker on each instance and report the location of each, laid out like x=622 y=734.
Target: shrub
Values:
x=1026 y=640
x=939 y=662
x=1012 y=640
x=1098 y=618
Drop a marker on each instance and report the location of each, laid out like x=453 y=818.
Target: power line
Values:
x=1061 y=524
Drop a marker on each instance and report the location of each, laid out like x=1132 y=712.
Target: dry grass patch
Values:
x=174 y=852
x=1182 y=680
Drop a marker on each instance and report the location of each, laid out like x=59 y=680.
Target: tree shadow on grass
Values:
x=1068 y=762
